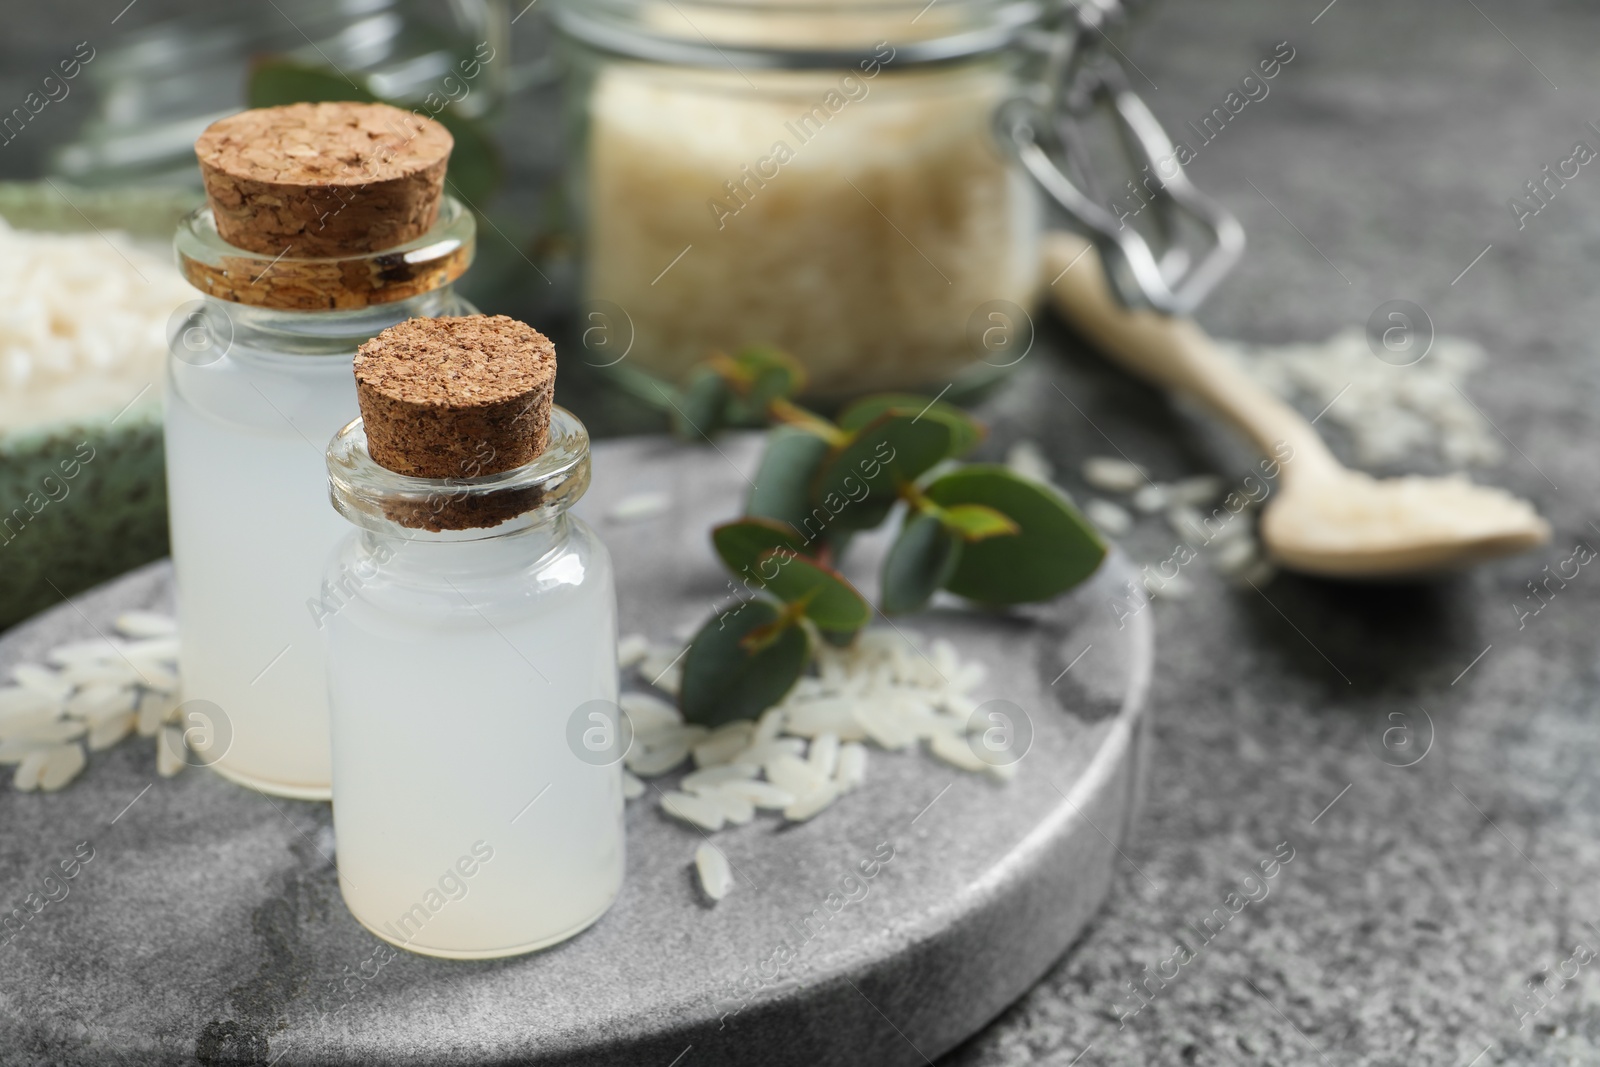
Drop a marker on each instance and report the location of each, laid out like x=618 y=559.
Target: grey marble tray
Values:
x=208 y=925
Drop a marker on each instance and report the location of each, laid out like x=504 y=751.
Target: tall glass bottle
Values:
x=258 y=379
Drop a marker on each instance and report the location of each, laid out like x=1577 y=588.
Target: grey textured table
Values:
x=1419 y=905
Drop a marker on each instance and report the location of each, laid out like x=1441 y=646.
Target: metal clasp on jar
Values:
x=1191 y=241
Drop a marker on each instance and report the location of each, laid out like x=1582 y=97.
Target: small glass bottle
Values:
x=475 y=624
x=257 y=381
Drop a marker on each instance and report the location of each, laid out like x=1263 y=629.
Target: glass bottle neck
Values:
x=458 y=511
x=244 y=330
x=446 y=560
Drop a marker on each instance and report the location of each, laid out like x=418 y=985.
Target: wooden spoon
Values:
x=1322 y=518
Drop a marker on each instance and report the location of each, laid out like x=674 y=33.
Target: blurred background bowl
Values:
x=113 y=514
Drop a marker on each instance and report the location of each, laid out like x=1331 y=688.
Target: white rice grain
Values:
x=1114 y=475
x=153 y=710
x=736 y=809
x=795 y=775
x=649 y=714
x=99 y=699
x=1196 y=491
x=42 y=680
x=22 y=700
x=954 y=750
x=770 y=725
x=710 y=777
x=155 y=676
x=639 y=506
x=17 y=751
x=62 y=765
x=90 y=651
x=812 y=803
x=169 y=751
x=631 y=650
x=761 y=794
x=632 y=787
x=1111 y=518
x=767 y=751
x=109 y=730
x=1150 y=499
x=724 y=743
x=692 y=809
x=145 y=624
x=1028 y=459
x=152 y=649
x=716 y=877
x=26 y=780
x=829 y=715
x=23 y=724
x=654 y=762
x=824 y=755
x=852 y=767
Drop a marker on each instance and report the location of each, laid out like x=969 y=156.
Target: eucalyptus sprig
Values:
x=980 y=531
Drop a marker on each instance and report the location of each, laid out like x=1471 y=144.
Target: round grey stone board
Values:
x=208 y=924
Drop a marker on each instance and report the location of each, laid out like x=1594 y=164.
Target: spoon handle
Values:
x=1175 y=353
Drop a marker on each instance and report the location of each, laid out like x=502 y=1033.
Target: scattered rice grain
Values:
x=852 y=767
x=1112 y=519
x=63 y=764
x=812 y=803
x=639 y=506
x=692 y=809
x=169 y=751
x=716 y=877
x=1113 y=475
x=145 y=624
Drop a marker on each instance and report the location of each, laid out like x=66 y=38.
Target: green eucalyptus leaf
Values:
x=965 y=431
x=771 y=374
x=743 y=542
x=860 y=480
x=828 y=598
x=977 y=522
x=726 y=677
x=280 y=81
x=782 y=489
x=922 y=559
x=1054 y=550
x=698 y=409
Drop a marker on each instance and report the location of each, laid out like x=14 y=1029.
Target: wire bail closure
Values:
x=1044 y=129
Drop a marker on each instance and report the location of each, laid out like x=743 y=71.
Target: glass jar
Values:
x=258 y=378
x=826 y=179
x=470 y=823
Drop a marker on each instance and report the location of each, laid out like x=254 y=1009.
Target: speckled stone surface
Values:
x=1419 y=905
x=208 y=926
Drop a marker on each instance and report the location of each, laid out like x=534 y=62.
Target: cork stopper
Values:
x=323 y=180
x=456 y=397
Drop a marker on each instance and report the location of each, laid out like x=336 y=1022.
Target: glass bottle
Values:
x=464 y=666
x=258 y=378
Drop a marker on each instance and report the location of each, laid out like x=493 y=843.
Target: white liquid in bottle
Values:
x=450 y=732
x=251 y=535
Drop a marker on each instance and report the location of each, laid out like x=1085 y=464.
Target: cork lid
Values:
x=456 y=397
x=323 y=180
